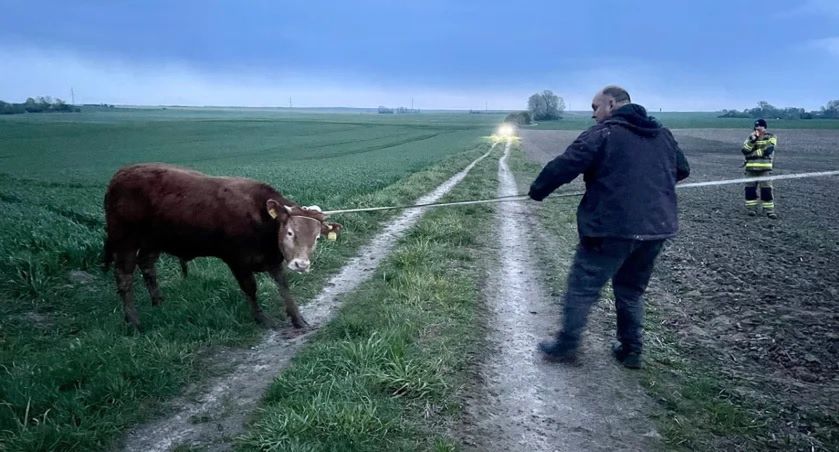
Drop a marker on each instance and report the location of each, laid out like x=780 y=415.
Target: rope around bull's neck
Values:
x=580 y=193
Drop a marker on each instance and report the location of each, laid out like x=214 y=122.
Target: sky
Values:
x=673 y=55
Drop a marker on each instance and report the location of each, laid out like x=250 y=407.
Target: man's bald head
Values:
x=616 y=92
x=607 y=100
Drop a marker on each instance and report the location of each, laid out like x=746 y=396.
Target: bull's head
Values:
x=300 y=228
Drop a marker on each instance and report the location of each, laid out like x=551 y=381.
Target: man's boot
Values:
x=767 y=202
x=560 y=349
x=752 y=203
x=629 y=357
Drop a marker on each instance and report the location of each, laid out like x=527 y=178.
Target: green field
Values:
x=385 y=374
x=72 y=377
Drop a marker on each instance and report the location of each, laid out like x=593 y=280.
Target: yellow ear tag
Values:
x=332 y=236
x=273 y=213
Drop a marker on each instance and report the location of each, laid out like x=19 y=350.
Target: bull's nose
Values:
x=299 y=265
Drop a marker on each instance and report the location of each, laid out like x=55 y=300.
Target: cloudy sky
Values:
x=674 y=54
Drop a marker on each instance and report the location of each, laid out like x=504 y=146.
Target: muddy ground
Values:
x=757 y=298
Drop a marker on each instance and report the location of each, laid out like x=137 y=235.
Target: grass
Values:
x=71 y=375
x=384 y=375
x=689 y=120
x=697 y=408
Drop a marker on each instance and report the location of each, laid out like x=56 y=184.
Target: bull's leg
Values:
x=291 y=309
x=184 y=268
x=126 y=261
x=146 y=260
x=247 y=282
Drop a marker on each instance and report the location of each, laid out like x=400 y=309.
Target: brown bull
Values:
x=156 y=208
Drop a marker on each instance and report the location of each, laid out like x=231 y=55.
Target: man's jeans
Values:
x=629 y=264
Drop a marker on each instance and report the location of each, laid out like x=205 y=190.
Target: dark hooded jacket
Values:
x=630 y=164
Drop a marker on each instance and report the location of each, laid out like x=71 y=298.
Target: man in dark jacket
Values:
x=630 y=164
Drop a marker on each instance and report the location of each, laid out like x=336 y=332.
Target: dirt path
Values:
x=211 y=415
x=526 y=403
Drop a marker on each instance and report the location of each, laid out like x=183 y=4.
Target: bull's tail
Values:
x=107 y=255
x=108 y=248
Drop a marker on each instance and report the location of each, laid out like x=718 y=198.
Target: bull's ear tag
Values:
x=332 y=236
x=272 y=212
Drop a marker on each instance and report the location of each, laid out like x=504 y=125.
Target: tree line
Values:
x=37 y=105
x=766 y=110
x=544 y=106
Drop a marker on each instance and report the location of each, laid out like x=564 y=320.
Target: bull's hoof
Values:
x=294 y=333
x=265 y=321
x=133 y=325
x=299 y=322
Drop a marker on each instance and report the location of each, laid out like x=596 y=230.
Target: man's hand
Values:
x=753 y=136
x=534 y=196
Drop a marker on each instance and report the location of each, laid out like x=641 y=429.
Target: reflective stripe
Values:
x=761 y=165
x=750 y=202
x=769 y=205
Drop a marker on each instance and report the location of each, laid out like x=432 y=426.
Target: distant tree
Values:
x=9 y=109
x=763 y=110
x=60 y=105
x=537 y=106
x=545 y=106
x=37 y=105
x=831 y=110
x=385 y=110
x=519 y=118
x=792 y=113
x=766 y=110
x=734 y=114
x=31 y=105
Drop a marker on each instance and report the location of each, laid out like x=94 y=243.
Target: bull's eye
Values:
x=290 y=234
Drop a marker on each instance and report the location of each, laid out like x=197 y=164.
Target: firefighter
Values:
x=759 y=149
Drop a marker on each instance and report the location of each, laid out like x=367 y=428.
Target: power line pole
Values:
x=72 y=96
x=289 y=102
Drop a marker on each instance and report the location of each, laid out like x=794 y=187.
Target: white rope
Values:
x=758 y=179
x=434 y=204
x=564 y=195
